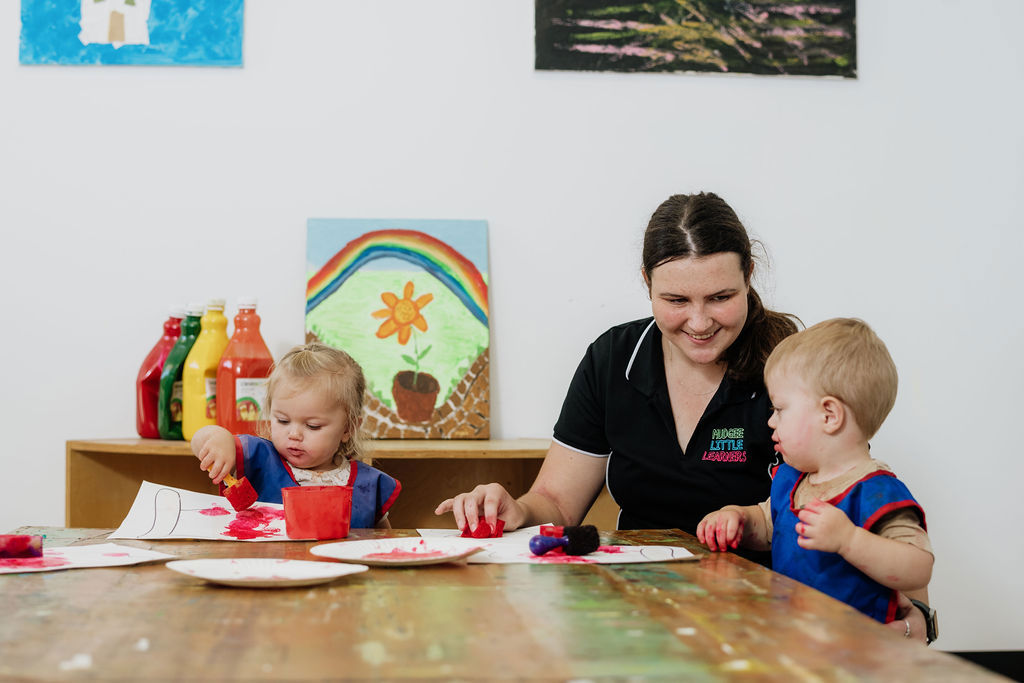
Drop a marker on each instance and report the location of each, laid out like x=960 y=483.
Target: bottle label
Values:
x=250 y=396
x=175 y=407
x=211 y=398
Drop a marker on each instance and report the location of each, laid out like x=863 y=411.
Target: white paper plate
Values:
x=262 y=572
x=399 y=552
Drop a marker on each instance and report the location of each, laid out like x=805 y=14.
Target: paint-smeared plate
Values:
x=264 y=572
x=399 y=552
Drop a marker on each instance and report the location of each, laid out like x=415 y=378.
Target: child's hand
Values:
x=722 y=530
x=215 y=448
x=824 y=527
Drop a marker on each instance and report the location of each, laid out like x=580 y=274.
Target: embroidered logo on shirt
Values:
x=726 y=446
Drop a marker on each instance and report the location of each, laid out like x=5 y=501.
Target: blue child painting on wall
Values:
x=151 y=32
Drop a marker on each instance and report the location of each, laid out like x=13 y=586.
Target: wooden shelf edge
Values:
x=407 y=449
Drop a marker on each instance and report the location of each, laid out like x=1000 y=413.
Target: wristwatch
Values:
x=931 y=620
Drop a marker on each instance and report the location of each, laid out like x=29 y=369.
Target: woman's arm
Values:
x=565 y=488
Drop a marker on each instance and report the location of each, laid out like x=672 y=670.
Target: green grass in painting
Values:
x=344 y=320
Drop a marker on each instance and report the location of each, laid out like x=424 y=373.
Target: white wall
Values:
x=896 y=197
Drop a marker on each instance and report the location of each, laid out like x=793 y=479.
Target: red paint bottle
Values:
x=242 y=374
x=147 y=384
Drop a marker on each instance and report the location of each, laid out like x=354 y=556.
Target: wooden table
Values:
x=720 y=618
x=103 y=475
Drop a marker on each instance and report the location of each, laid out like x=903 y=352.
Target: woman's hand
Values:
x=489 y=501
x=215 y=448
x=565 y=488
x=909 y=618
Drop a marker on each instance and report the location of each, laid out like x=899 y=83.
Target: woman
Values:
x=671 y=412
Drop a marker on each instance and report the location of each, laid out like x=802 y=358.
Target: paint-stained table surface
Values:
x=718 y=618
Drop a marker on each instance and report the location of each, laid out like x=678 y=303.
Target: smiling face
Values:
x=305 y=427
x=797 y=420
x=700 y=304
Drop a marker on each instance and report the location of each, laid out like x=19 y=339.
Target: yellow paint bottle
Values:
x=199 y=378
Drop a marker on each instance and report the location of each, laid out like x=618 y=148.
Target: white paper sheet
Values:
x=79 y=556
x=166 y=512
x=513 y=548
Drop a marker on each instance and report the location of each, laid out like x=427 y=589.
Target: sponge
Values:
x=239 y=492
x=21 y=545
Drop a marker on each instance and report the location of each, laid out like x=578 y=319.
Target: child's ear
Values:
x=353 y=428
x=833 y=413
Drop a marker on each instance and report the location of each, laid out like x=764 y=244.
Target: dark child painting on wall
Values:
x=757 y=37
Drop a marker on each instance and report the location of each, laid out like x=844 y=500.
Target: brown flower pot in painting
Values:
x=415 y=403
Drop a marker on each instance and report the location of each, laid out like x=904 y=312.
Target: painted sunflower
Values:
x=402 y=314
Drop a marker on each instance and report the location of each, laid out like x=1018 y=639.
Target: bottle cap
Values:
x=177 y=312
x=247 y=302
x=217 y=304
x=194 y=308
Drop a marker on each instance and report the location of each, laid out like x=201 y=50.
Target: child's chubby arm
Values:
x=735 y=525
x=892 y=563
x=215 y=448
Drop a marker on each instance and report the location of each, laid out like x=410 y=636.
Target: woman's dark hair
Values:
x=697 y=225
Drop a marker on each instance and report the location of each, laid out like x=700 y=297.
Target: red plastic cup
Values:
x=318 y=512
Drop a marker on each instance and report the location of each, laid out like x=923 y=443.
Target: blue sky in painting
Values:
x=325 y=236
x=181 y=32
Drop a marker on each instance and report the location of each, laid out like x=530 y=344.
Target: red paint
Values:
x=254 y=523
x=554 y=557
x=612 y=549
x=214 y=511
x=245 y=357
x=47 y=562
x=399 y=554
x=319 y=512
x=147 y=383
x=115 y=554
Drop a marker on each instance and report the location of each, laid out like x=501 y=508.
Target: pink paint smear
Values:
x=417 y=552
x=399 y=554
x=33 y=562
x=214 y=511
x=562 y=558
x=254 y=523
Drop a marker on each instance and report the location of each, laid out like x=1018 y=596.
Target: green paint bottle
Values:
x=168 y=411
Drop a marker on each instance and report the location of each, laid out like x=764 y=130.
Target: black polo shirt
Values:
x=618 y=407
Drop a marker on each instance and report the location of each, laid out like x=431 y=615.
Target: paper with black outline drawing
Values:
x=81 y=556
x=513 y=548
x=165 y=512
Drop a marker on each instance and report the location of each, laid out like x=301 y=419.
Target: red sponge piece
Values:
x=239 y=493
x=483 y=530
x=21 y=545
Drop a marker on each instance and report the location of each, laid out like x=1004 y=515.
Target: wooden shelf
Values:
x=104 y=475
x=409 y=449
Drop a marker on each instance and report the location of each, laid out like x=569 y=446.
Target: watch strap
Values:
x=931 y=620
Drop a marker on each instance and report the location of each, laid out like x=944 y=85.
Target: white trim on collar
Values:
x=629 y=366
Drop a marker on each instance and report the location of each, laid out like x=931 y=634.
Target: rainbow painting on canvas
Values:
x=407 y=299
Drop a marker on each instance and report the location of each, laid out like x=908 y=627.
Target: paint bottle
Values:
x=242 y=373
x=199 y=378
x=168 y=408
x=147 y=383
